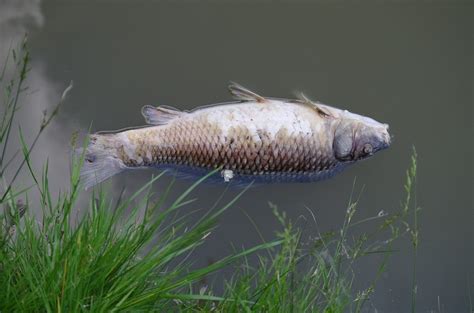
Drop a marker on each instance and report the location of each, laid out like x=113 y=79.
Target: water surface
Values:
x=407 y=64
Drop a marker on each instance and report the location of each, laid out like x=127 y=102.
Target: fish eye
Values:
x=367 y=149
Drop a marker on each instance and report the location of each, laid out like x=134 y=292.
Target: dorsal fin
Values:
x=241 y=93
x=314 y=104
x=160 y=115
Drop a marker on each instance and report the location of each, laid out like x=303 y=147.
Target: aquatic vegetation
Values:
x=132 y=254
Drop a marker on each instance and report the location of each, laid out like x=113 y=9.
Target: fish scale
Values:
x=289 y=153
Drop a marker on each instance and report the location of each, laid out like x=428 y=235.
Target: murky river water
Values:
x=407 y=64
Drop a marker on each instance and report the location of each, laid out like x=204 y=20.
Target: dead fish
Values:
x=254 y=138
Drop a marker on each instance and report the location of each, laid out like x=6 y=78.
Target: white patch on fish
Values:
x=275 y=114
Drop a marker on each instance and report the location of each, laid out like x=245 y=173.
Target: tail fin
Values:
x=101 y=160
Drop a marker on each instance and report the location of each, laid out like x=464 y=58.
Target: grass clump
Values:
x=133 y=254
x=101 y=264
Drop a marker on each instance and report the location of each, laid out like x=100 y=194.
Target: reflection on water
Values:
x=409 y=65
x=16 y=19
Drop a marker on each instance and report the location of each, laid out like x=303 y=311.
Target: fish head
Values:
x=358 y=137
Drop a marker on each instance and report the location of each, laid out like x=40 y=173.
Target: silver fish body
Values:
x=253 y=139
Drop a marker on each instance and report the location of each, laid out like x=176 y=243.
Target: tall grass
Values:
x=133 y=254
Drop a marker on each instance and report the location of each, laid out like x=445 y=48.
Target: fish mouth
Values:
x=382 y=144
x=387 y=140
x=381 y=141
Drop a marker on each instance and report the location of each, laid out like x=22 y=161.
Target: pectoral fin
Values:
x=160 y=115
x=241 y=93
